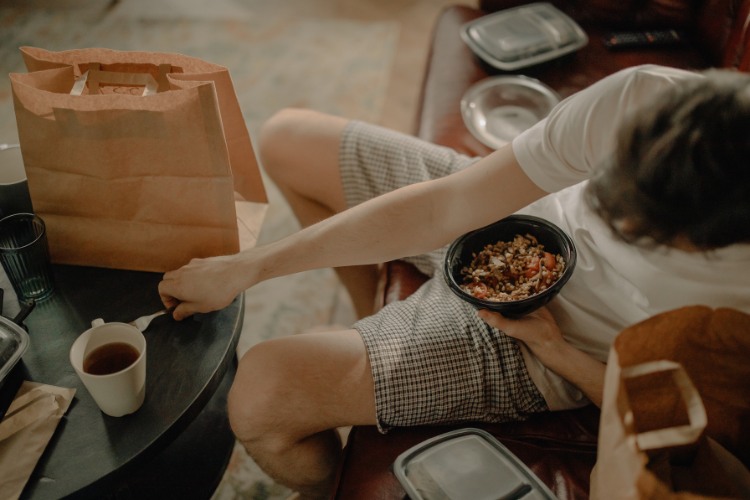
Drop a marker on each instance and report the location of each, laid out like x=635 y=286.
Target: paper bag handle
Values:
x=94 y=76
x=677 y=435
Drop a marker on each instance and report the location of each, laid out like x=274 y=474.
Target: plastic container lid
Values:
x=466 y=464
x=523 y=36
x=13 y=343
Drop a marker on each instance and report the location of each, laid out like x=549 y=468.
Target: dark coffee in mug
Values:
x=110 y=358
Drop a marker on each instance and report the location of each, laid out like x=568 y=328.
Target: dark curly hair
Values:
x=682 y=167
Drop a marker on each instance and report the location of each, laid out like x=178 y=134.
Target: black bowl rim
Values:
x=514 y=304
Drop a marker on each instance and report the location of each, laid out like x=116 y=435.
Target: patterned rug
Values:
x=279 y=54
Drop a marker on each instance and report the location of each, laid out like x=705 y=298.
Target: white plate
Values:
x=497 y=109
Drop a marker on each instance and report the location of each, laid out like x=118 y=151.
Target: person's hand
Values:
x=203 y=285
x=538 y=330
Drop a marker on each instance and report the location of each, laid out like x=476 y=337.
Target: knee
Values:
x=278 y=137
x=254 y=395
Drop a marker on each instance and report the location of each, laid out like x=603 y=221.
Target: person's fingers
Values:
x=494 y=319
x=182 y=310
x=169 y=302
x=164 y=285
x=518 y=328
x=167 y=295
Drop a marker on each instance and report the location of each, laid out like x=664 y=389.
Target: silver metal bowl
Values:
x=497 y=109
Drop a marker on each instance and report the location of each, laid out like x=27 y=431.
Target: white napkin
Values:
x=25 y=431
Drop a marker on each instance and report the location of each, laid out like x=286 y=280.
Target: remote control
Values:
x=642 y=39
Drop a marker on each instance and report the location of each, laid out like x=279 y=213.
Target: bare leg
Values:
x=289 y=396
x=299 y=149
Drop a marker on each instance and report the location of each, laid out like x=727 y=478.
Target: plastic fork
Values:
x=143 y=322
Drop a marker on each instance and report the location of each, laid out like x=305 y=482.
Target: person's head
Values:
x=681 y=174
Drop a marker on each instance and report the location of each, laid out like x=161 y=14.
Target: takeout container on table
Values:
x=13 y=338
x=461 y=252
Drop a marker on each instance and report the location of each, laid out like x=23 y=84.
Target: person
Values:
x=646 y=170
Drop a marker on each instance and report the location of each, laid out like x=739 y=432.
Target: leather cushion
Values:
x=453 y=68
x=559 y=447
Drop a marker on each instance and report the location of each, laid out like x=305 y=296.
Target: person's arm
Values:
x=409 y=221
x=540 y=333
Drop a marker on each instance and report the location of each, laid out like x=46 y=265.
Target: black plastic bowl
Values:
x=461 y=252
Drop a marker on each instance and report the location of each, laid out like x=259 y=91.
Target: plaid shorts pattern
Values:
x=433 y=359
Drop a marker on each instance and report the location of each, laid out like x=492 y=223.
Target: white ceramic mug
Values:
x=121 y=392
x=14 y=189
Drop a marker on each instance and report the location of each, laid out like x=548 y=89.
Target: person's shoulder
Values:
x=630 y=88
x=656 y=70
x=648 y=75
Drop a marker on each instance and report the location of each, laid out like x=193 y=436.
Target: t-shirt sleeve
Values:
x=580 y=132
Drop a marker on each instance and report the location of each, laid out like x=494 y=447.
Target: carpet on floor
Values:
x=277 y=58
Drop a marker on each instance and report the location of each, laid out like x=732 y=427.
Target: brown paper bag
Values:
x=136 y=160
x=652 y=442
x=25 y=431
x=713 y=346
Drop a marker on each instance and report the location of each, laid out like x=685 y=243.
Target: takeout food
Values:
x=547 y=237
x=512 y=270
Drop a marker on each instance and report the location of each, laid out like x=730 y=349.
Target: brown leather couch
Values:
x=560 y=447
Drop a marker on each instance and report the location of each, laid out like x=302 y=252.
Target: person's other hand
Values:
x=203 y=285
x=538 y=330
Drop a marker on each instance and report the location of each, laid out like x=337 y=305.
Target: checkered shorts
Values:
x=433 y=359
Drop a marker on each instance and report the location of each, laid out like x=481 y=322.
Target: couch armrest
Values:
x=398 y=279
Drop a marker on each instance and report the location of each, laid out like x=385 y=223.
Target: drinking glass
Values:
x=24 y=254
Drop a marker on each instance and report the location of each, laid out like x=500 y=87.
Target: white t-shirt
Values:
x=614 y=284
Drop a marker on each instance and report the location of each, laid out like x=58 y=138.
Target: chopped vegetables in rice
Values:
x=512 y=270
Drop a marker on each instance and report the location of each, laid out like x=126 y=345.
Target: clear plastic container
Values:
x=523 y=36
x=466 y=464
x=13 y=343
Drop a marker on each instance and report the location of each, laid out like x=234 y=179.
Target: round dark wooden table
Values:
x=179 y=442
